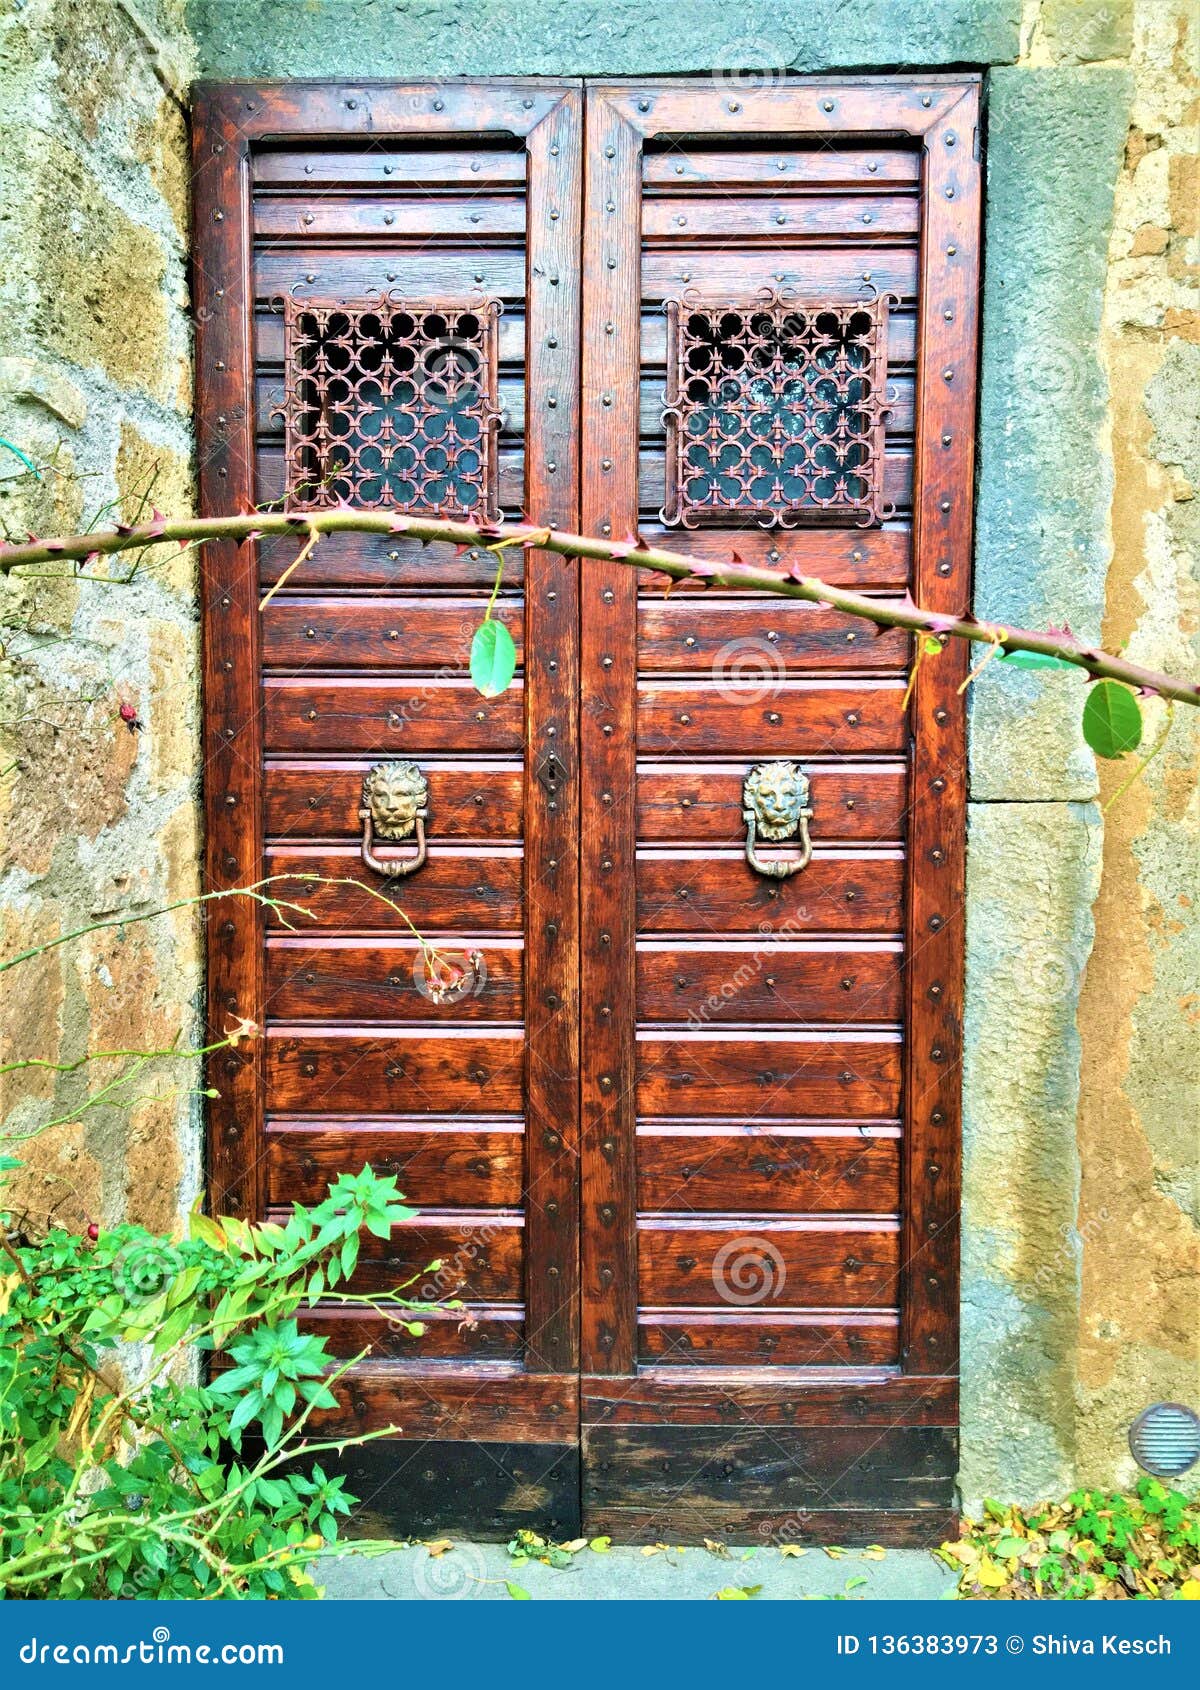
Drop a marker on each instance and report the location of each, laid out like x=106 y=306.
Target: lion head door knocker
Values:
x=395 y=805
x=775 y=807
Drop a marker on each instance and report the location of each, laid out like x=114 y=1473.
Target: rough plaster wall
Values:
x=95 y=385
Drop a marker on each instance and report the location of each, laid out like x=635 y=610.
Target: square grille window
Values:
x=392 y=404
x=775 y=410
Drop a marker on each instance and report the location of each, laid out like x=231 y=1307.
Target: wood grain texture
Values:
x=320 y=797
x=461 y=889
x=395 y=1069
x=702 y=800
x=608 y=727
x=482 y=1332
x=390 y=718
x=232 y=728
x=938 y=783
x=724 y=1473
x=437 y=1163
x=393 y=980
x=738 y=1338
x=759 y=981
x=342 y=631
x=818 y=1397
x=767 y=1261
x=692 y=1168
x=686 y=891
x=489 y=1402
x=752 y=642
x=788 y=718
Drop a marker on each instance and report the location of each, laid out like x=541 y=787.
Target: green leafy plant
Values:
x=123 y=1475
x=1095 y=1544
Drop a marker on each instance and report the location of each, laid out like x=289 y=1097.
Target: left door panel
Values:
x=386 y=292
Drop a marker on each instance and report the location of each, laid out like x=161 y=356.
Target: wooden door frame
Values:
x=941 y=115
x=230 y=120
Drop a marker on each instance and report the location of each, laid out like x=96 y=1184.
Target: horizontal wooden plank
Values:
x=316 y=272
x=897 y=484
x=713 y=891
x=437 y=1163
x=762 y=1262
x=342 y=631
x=839 y=273
x=694 y=1168
x=783 y=718
x=376 y=560
x=320 y=798
x=389 y=165
x=461 y=889
x=855 y=802
x=757 y=641
x=811 y=1075
x=394 y=979
x=778 y=217
x=765 y=980
x=480 y=1252
x=902 y=333
x=488 y=1401
x=821 y=1397
x=724 y=1472
x=389 y=717
x=480 y=1332
x=395 y=217
x=341 y=1068
x=746 y=167
x=751 y=1337
x=271 y=479
x=872 y=558
x=762 y=1171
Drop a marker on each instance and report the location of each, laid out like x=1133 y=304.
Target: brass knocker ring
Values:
x=775 y=807
x=395 y=799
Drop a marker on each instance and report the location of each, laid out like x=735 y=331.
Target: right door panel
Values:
x=779 y=299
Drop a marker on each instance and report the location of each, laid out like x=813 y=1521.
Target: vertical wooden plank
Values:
x=229 y=606
x=945 y=415
x=608 y=740
x=551 y=753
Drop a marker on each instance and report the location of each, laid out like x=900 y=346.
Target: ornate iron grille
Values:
x=392 y=403
x=775 y=410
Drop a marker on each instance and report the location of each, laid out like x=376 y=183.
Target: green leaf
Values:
x=1035 y=660
x=738 y=1592
x=1007 y=1546
x=517 y=1591
x=1112 y=722
x=493 y=658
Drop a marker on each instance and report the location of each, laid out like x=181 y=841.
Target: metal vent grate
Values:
x=775 y=410
x=392 y=404
x=1165 y=1439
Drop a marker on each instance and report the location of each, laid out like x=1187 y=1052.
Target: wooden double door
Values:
x=683 y=1131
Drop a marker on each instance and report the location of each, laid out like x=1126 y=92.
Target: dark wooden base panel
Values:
x=423 y=1489
x=830 y=1484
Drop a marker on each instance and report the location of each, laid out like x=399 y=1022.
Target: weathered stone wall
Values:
x=96 y=819
x=1081 y=1082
